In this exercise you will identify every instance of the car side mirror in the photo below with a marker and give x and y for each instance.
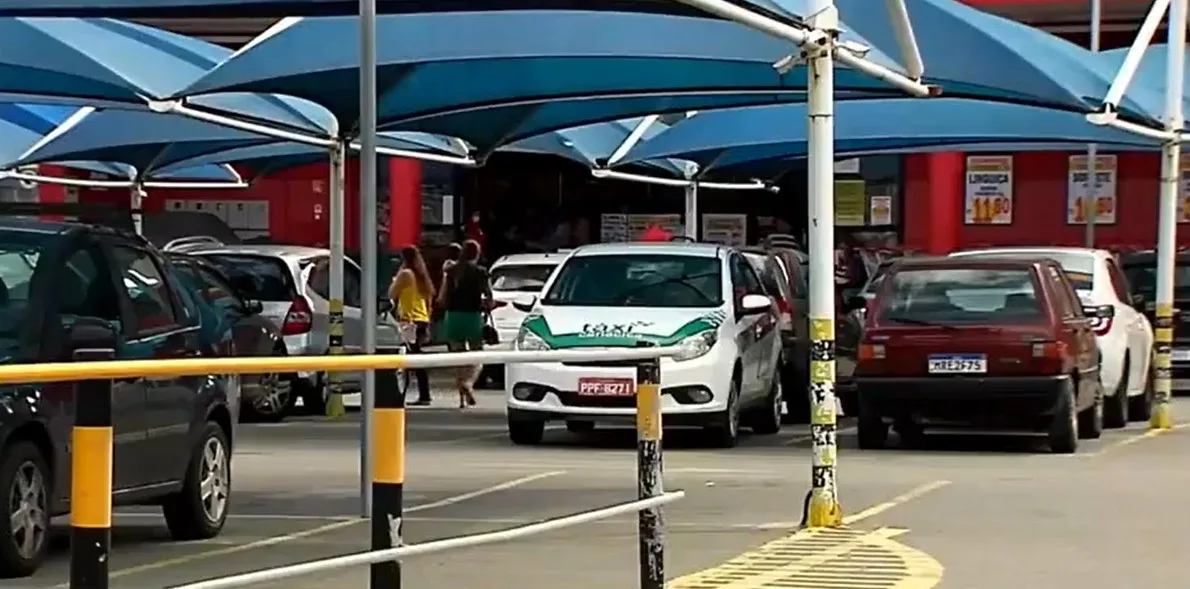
(753, 304)
(89, 333)
(253, 307)
(854, 303)
(1099, 312)
(524, 303)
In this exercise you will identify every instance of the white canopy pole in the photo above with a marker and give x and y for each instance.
(1091, 201)
(337, 214)
(369, 235)
(1167, 218)
(822, 506)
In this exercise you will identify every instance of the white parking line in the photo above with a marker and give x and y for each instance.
(336, 525)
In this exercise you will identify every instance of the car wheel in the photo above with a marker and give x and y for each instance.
(1140, 407)
(1090, 420)
(725, 433)
(199, 510)
(796, 390)
(766, 420)
(1115, 408)
(276, 400)
(871, 429)
(25, 486)
(1063, 432)
(526, 432)
(580, 427)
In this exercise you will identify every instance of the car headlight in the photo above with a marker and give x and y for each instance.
(697, 345)
(527, 341)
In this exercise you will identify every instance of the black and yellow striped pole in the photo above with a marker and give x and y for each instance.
(388, 476)
(650, 535)
(91, 479)
(1162, 416)
(334, 399)
(822, 503)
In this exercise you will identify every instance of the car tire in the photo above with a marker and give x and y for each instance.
(23, 460)
(285, 398)
(580, 427)
(1140, 407)
(871, 429)
(199, 510)
(1090, 420)
(526, 432)
(795, 387)
(766, 419)
(1063, 430)
(725, 432)
(1115, 408)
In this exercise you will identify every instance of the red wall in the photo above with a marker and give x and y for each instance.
(934, 193)
(298, 201)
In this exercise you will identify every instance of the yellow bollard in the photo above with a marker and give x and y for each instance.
(334, 381)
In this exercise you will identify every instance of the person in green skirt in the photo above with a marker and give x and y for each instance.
(465, 297)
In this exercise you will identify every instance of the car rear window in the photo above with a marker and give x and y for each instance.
(1079, 267)
(960, 295)
(263, 278)
(521, 277)
(1143, 280)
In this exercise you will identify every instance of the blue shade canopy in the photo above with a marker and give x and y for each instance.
(592, 145)
(23, 125)
(753, 138)
(1149, 84)
(973, 54)
(150, 142)
(104, 62)
(435, 65)
(246, 8)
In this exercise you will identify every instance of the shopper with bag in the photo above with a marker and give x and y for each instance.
(411, 291)
(466, 296)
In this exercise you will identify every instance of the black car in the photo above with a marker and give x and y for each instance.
(264, 397)
(1140, 268)
(66, 286)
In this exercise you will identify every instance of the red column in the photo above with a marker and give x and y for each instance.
(52, 193)
(945, 173)
(404, 202)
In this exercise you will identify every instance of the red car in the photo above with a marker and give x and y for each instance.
(988, 344)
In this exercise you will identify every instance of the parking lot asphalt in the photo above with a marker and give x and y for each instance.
(959, 512)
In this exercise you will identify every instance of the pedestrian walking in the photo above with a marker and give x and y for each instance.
(465, 297)
(412, 291)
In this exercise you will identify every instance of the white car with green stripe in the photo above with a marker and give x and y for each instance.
(705, 298)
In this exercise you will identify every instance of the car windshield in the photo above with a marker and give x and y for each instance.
(1143, 280)
(261, 278)
(521, 277)
(947, 296)
(638, 280)
(1079, 267)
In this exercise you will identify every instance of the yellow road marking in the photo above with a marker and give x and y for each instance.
(1133, 439)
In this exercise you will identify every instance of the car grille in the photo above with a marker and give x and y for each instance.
(605, 363)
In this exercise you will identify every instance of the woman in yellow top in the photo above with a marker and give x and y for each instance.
(411, 291)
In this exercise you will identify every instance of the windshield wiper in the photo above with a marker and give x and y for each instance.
(683, 280)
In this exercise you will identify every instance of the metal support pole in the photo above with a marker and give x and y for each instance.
(388, 477)
(692, 211)
(337, 216)
(1091, 202)
(822, 505)
(90, 480)
(136, 202)
(650, 524)
(1167, 219)
(368, 230)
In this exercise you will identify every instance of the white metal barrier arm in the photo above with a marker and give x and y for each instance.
(367, 558)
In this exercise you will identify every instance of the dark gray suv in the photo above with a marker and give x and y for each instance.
(172, 436)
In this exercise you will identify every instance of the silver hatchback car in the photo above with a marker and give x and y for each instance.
(292, 283)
